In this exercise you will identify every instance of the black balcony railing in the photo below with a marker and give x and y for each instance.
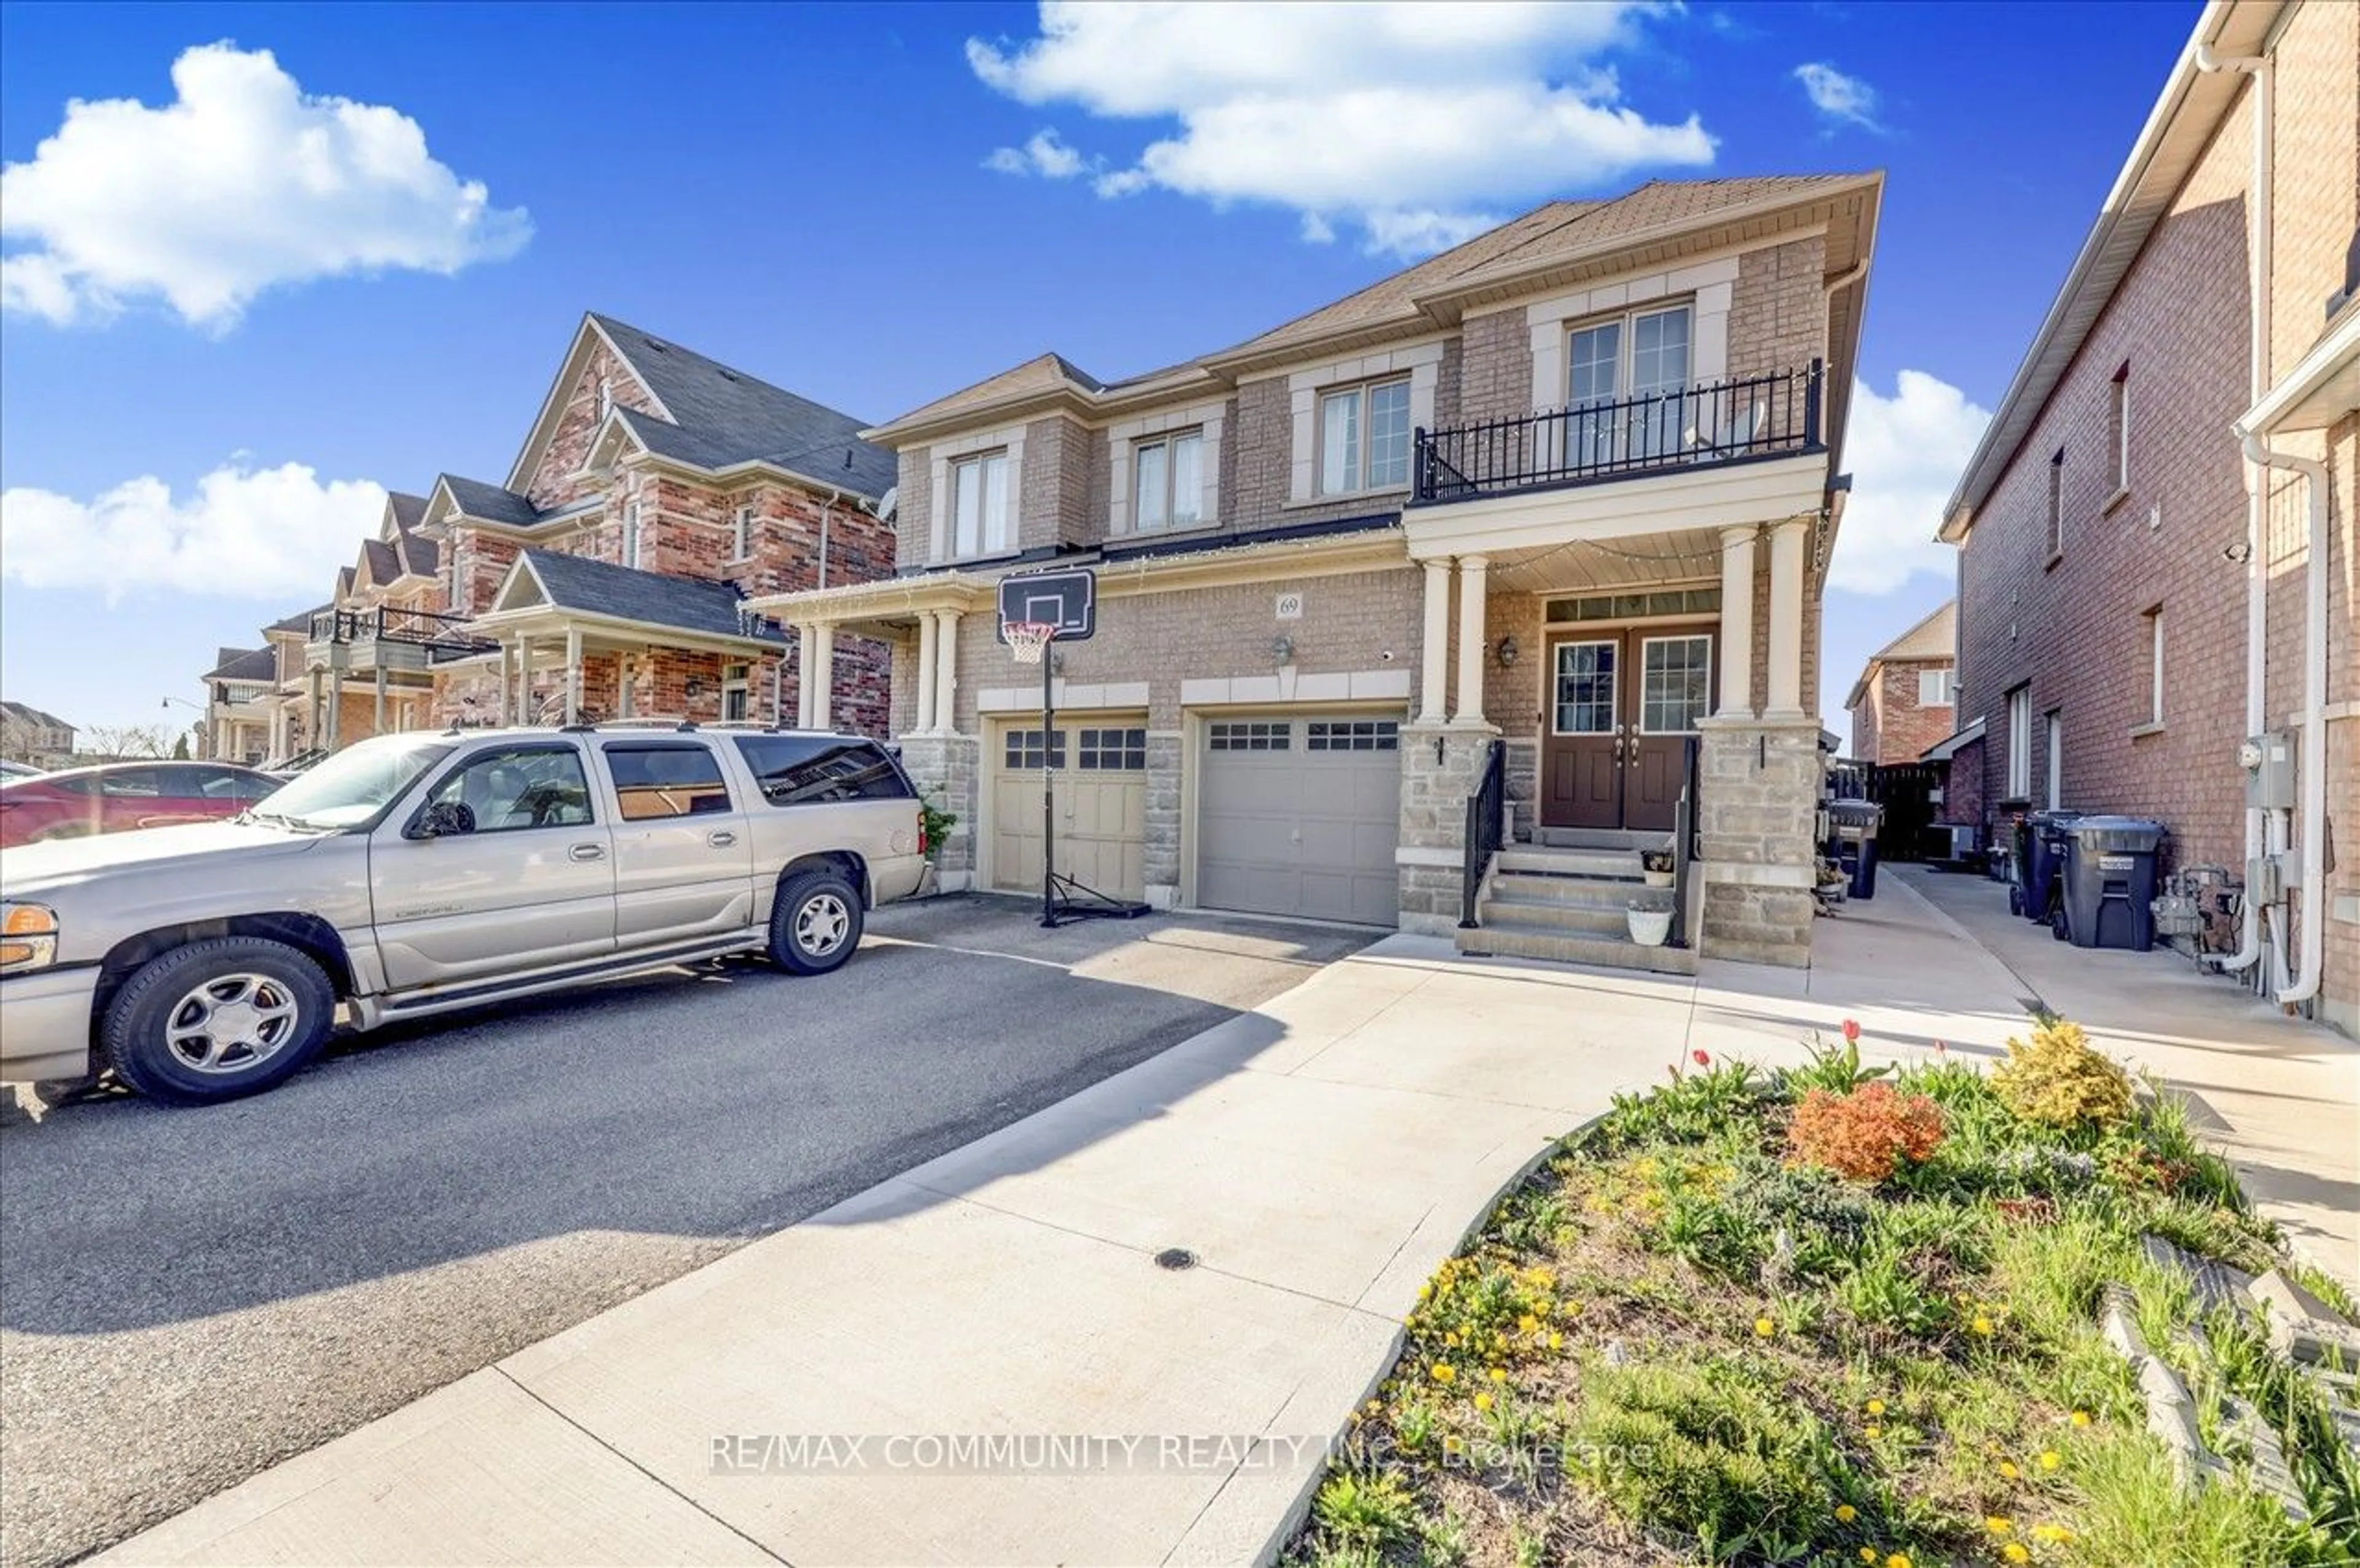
(446, 634)
(1688, 427)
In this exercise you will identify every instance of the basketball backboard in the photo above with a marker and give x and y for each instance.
(1065, 599)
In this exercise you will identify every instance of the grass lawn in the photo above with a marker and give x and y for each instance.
(1839, 1317)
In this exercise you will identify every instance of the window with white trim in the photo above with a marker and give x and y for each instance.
(2056, 728)
(2057, 503)
(1167, 483)
(2119, 423)
(1934, 687)
(741, 535)
(979, 505)
(1364, 436)
(2019, 744)
(632, 534)
(1639, 353)
(2154, 619)
(734, 687)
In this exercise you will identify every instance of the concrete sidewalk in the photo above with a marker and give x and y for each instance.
(1319, 1156)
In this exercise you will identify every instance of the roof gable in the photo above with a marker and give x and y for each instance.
(595, 587)
(1936, 636)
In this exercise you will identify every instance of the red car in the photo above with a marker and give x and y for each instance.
(120, 796)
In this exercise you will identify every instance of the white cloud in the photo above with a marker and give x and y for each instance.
(1905, 454)
(1414, 122)
(249, 533)
(1045, 155)
(244, 182)
(1845, 99)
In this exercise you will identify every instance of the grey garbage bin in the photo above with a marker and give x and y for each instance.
(2108, 878)
(2044, 858)
(1853, 827)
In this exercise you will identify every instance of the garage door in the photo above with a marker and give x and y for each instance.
(1101, 798)
(1299, 816)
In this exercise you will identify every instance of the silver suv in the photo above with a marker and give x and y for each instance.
(414, 874)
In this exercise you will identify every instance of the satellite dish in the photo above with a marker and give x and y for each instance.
(885, 503)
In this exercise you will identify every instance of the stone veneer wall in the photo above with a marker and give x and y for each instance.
(1756, 812)
(944, 770)
(1440, 767)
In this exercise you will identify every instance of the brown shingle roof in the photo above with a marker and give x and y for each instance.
(1047, 373)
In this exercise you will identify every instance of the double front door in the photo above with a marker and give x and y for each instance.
(1619, 709)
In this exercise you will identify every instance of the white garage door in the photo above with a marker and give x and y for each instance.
(1101, 803)
(1300, 816)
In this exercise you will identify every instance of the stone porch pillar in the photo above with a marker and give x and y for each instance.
(1434, 651)
(924, 721)
(1737, 622)
(1471, 572)
(1787, 540)
(946, 671)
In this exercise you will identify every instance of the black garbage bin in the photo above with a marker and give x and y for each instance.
(2044, 860)
(2108, 878)
(1853, 827)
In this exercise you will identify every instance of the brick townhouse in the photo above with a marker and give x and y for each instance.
(2156, 536)
(1558, 502)
(1901, 703)
(607, 575)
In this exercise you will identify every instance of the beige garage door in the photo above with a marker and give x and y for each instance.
(1300, 816)
(1101, 800)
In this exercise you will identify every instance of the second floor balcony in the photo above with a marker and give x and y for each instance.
(389, 637)
(1678, 429)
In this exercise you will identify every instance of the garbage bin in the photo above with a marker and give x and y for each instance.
(2043, 856)
(2108, 878)
(1853, 827)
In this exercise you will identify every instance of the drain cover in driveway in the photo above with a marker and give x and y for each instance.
(1175, 1257)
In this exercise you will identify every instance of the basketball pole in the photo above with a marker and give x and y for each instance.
(1048, 782)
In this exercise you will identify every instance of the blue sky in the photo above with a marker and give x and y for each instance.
(810, 193)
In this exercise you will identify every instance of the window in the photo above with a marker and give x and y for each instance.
(1934, 687)
(1586, 676)
(631, 534)
(1674, 683)
(605, 399)
(519, 787)
(1250, 735)
(2056, 736)
(1630, 606)
(741, 535)
(2154, 664)
(655, 782)
(1024, 749)
(733, 691)
(979, 505)
(2056, 505)
(805, 770)
(1364, 437)
(1644, 355)
(1352, 734)
(1168, 482)
(230, 784)
(1113, 750)
(2019, 744)
(139, 783)
(2119, 425)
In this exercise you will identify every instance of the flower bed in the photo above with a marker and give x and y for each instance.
(1844, 1315)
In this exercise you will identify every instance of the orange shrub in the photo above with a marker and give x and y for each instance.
(1863, 1134)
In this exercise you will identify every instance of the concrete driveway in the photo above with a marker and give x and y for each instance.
(187, 1297)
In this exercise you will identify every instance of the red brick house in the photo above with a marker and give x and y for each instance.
(2157, 533)
(1902, 702)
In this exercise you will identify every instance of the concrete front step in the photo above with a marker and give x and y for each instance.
(1519, 940)
(1570, 862)
(1599, 919)
(1601, 838)
(1550, 888)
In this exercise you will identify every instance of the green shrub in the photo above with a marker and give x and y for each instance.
(1358, 1509)
(2059, 1079)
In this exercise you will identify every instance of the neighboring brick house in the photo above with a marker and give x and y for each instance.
(674, 486)
(1901, 703)
(30, 735)
(1584, 461)
(2157, 533)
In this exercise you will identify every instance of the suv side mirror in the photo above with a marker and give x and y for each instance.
(443, 819)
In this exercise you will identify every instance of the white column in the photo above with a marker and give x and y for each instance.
(1786, 618)
(507, 678)
(946, 671)
(924, 721)
(573, 675)
(824, 679)
(526, 712)
(1737, 621)
(1434, 653)
(806, 665)
(1471, 569)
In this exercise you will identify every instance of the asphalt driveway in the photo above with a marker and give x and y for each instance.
(189, 1296)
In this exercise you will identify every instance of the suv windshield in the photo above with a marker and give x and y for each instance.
(353, 785)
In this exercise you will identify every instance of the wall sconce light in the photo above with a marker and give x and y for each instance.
(1506, 652)
(1281, 649)
(692, 687)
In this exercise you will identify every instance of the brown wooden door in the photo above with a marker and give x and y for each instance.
(1581, 733)
(1669, 689)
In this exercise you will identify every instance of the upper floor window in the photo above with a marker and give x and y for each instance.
(2019, 743)
(631, 534)
(1364, 437)
(1643, 353)
(2057, 504)
(2119, 427)
(1934, 687)
(1168, 481)
(980, 504)
(741, 536)
(2154, 664)
(605, 399)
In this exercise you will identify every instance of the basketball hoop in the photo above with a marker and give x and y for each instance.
(1027, 639)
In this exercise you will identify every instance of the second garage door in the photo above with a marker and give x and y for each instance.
(1101, 806)
(1299, 816)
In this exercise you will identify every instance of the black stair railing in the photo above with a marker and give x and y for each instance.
(1486, 822)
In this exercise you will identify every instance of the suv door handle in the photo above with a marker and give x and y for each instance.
(586, 852)
(721, 838)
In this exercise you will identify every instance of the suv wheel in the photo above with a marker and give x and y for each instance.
(217, 1019)
(815, 925)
